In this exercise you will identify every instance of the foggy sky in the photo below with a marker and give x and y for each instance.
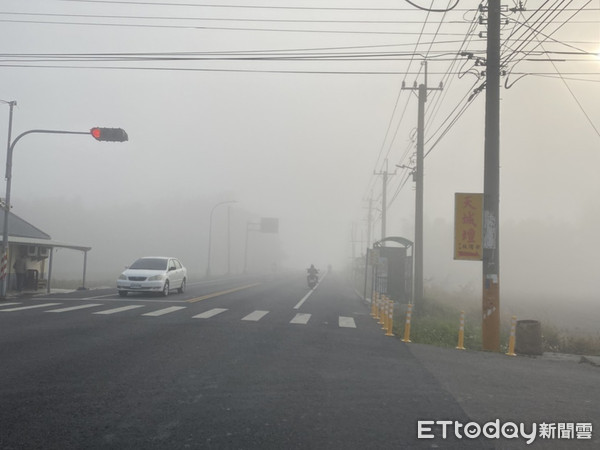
(301, 147)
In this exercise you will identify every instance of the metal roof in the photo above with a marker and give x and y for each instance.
(22, 232)
(18, 227)
(46, 243)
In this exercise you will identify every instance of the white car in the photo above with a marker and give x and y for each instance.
(153, 274)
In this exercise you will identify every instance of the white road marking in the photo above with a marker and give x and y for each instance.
(256, 316)
(209, 313)
(118, 310)
(160, 312)
(347, 322)
(9, 304)
(299, 304)
(301, 318)
(73, 308)
(21, 308)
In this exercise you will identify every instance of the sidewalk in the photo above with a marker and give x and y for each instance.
(553, 388)
(32, 293)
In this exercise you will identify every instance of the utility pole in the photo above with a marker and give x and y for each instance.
(418, 174)
(4, 262)
(490, 327)
(369, 220)
(384, 174)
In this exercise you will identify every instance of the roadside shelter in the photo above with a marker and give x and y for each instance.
(36, 248)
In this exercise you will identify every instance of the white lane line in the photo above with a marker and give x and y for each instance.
(73, 308)
(256, 316)
(299, 304)
(118, 310)
(346, 322)
(9, 304)
(21, 308)
(209, 313)
(160, 312)
(301, 318)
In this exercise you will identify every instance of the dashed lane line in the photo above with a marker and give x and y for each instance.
(255, 316)
(21, 308)
(301, 318)
(164, 311)
(118, 310)
(74, 308)
(346, 322)
(209, 313)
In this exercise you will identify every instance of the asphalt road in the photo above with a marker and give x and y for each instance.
(254, 364)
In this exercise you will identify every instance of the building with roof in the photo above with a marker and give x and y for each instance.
(29, 244)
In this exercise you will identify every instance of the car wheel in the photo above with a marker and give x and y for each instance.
(181, 290)
(165, 290)
(122, 293)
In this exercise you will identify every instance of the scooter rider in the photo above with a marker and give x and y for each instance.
(312, 270)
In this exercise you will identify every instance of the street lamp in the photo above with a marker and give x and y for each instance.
(100, 134)
(210, 232)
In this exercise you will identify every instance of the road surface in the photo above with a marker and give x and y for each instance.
(258, 364)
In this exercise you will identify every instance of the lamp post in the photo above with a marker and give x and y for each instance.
(210, 232)
(100, 134)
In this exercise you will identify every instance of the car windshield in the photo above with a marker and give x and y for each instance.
(150, 264)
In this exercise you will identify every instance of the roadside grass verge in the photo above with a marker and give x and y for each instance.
(436, 322)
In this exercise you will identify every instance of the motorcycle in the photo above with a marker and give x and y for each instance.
(312, 280)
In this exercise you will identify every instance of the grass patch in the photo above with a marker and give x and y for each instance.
(436, 322)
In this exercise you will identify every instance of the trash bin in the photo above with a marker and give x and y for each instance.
(528, 337)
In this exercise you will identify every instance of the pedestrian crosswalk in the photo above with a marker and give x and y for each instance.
(294, 318)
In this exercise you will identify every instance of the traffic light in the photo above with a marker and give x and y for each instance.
(109, 134)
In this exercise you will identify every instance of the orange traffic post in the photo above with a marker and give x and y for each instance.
(390, 328)
(511, 340)
(380, 309)
(407, 324)
(384, 308)
(373, 304)
(377, 302)
(461, 332)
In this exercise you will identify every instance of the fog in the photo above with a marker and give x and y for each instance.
(297, 140)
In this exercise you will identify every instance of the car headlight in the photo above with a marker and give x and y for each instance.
(122, 277)
(156, 277)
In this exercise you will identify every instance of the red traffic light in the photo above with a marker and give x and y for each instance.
(109, 134)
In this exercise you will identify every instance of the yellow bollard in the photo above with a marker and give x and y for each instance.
(373, 304)
(511, 340)
(407, 324)
(384, 312)
(380, 309)
(377, 301)
(390, 328)
(461, 332)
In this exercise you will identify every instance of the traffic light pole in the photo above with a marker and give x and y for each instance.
(4, 257)
(491, 186)
(9, 157)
